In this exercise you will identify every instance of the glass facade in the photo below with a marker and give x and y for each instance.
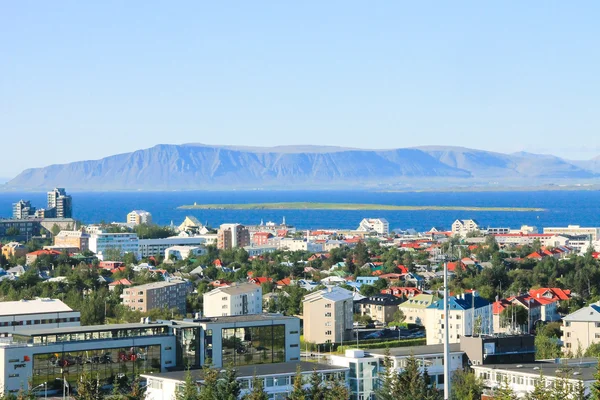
(187, 345)
(81, 336)
(108, 365)
(253, 345)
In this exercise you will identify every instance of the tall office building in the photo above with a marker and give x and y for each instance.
(59, 204)
(231, 236)
(23, 209)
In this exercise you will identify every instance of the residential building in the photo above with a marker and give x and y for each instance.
(261, 238)
(26, 228)
(183, 252)
(73, 239)
(538, 309)
(23, 210)
(31, 257)
(157, 247)
(13, 249)
(138, 217)
(170, 295)
(575, 230)
(59, 204)
(468, 312)
(99, 242)
(523, 377)
(239, 299)
(381, 307)
(230, 236)
(414, 308)
(522, 239)
(376, 225)
(36, 314)
(328, 315)
(291, 244)
(581, 329)
(277, 379)
(255, 251)
(462, 227)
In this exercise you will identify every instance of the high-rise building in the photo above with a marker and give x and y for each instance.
(59, 204)
(137, 217)
(231, 236)
(23, 209)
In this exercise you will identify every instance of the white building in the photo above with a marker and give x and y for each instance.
(462, 227)
(575, 230)
(290, 244)
(137, 217)
(123, 242)
(183, 252)
(240, 299)
(377, 225)
(466, 311)
(522, 239)
(328, 315)
(36, 314)
(157, 247)
(523, 377)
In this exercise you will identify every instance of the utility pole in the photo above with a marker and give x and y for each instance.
(446, 336)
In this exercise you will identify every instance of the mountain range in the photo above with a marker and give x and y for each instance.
(196, 166)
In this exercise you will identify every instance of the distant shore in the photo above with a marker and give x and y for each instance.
(347, 207)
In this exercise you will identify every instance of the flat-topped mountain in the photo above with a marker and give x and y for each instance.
(197, 167)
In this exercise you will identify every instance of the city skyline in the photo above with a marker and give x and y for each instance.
(93, 80)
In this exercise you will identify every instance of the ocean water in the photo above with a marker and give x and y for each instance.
(562, 207)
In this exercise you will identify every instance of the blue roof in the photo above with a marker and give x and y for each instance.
(458, 303)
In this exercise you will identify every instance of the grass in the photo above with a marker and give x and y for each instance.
(347, 206)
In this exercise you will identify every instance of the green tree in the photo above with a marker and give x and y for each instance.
(298, 392)
(257, 392)
(412, 384)
(337, 390)
(189, 391)
(388, 379)
(89, 388)
(540, 390)
(595, 387)
(514, 316)
(466, 386)
(316, 390)
(55, 230)
(228, 387)
(208, 390)
(504, 392)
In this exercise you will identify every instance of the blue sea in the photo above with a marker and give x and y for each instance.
(562, 207)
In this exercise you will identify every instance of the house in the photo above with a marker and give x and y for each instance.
(367, 280)
(402, 291)
(538, 309)
(468, 313)
(307, 285)
(260, 280)
(381, 307)
(31, 257)
(379, 226)
(16, 271)
(414, 308)
(261, 238)
(556, 294)
(13, 249)
(333, 280)
(121, 282)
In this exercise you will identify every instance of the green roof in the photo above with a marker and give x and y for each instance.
(419, 301)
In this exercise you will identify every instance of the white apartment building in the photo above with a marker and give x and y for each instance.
(124, 242)
(36, 314)
(522, 239)
(465, 311)
(157, 247)
(328, 315)
(183, 252)
(581, 329)
(378, 225)
(575, 230)
(137, 217)
(462, 227)
(240, 299)
(300, 245)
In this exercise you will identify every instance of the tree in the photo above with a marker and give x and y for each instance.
(540, 390)
(388, 380)
(298, 388)
(208, 391)
(514, 316)
(466, 386)
(337, 390)
(89, 388)
(315, 391)
(411, 384)
(228, 387)
(136, 392)
(55, 230)
(595, 387)
(257, 392)
(189, 391)
(504, 392)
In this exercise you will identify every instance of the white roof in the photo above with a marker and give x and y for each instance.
(241, 288)
(585, 314)
(37, 306)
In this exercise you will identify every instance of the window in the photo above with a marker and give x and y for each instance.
(328, 305)
(327, 314)
(328, 333)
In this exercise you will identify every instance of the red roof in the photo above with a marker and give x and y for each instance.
(265, 234)
(118, 269)
(123, 282)
(260, 280)
(217, 263)
(551, 293)
(399, 291)
(43, 252)
(390, 276)
(284, 282)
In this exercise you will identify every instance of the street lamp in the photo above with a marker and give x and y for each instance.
(45, 385)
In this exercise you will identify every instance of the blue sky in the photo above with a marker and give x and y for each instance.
(82, 80)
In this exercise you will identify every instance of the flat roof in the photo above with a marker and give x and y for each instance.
(578, 368)
(239, 318)
(37, 306)
(83, 329)
(416, 350)
(246, 371)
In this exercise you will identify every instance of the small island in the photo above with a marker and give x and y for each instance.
(347, 207)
